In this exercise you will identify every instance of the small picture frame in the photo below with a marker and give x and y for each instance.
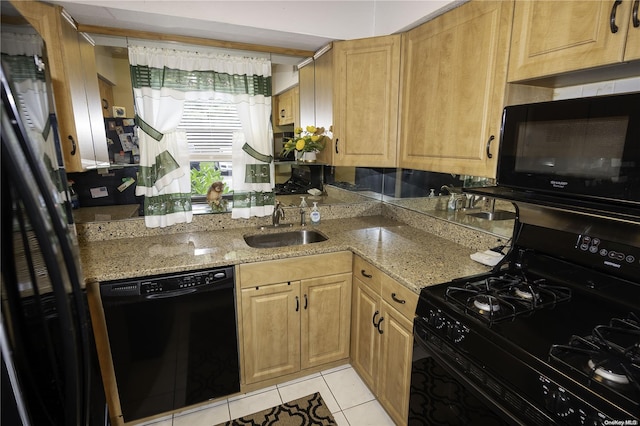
(119, 112)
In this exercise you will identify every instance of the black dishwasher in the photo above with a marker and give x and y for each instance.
(173, 339)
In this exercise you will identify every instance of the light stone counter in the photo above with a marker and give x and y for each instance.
(414, 255)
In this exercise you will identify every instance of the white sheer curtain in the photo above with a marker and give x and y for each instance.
(21, 57)
(163, 79)
(253, 168)
(163, 177)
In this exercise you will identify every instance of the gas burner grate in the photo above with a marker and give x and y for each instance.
(504, 297)
(610, 355)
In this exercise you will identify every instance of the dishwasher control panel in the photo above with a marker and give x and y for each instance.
(167, 283)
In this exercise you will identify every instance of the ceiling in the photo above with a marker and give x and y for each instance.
(306, 25)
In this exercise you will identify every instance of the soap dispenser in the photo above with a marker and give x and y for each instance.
(315, 214)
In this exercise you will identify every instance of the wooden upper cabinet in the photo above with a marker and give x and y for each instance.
(307, 94)
(454, 82)
(365, 104)
(356, 95)
(632, 46)
(72, 66)
(554, 37)
(288, 107)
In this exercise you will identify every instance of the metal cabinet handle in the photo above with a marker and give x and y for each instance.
(374, 318)
(364, 274)
(306, 302)
(282, 113)
(612, 17)
(489, 154)
(395, 299)
(635, 19)
(337, 145)
(73, 145)
(378, 326)
(297, 304)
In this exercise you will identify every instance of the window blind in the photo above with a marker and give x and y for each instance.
(209, 125)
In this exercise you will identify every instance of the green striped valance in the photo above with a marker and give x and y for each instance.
(157, 78)
(22, 67)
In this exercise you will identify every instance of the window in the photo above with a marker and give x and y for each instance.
(209, 125)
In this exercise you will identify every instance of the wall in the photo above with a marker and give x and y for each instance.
(597, 89)
(283, 77)
(113, 65)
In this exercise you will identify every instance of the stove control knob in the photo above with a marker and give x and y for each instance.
(457, 331)
(437, 319)
(563, 404)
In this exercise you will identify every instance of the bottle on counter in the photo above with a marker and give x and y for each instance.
(315, 214)
(75, 200)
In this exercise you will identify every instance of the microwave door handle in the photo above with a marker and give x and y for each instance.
(489, 154)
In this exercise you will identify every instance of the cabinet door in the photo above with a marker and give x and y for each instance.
(454, 83)
(560, 36)
(306, 95)
(632, 50)
(287, 106)
(394, 372)
(271, 330)
(323, 74)
(365, 104)
(365, 342)
(83, 137)
(284, 108)
(325, 321)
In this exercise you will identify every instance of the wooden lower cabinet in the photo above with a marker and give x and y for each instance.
(394, 369)
(271, 331)
(298, 323)
(325, 319)
(382, 337)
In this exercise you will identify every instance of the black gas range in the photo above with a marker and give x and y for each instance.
(303, 178)
(549, 336)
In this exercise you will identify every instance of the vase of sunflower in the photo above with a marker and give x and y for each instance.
(306, 143)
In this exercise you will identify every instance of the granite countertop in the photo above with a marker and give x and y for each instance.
(105, 213)
(413, 257)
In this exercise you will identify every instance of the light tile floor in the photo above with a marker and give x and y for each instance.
(346, 395)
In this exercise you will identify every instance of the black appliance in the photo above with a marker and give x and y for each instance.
(49, 373)
(582, 149)
(551, 335)
(303, 178)
(173, 340)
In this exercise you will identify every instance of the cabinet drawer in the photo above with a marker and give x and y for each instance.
(367, 273)
(293, 269)
(400, 297)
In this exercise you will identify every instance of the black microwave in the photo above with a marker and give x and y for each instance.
(585, 149)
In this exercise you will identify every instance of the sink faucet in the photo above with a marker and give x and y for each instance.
(278, 213)
(303, 215)
(451, 189)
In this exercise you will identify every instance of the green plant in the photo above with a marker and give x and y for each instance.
(202, 179)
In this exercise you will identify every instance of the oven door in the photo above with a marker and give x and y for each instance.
(441, 396)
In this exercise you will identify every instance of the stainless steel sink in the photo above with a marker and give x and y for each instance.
(495, 215)
(282, 239)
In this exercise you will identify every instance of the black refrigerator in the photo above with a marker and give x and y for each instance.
(49, 373)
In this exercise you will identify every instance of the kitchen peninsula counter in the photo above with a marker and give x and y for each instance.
(413, 257)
